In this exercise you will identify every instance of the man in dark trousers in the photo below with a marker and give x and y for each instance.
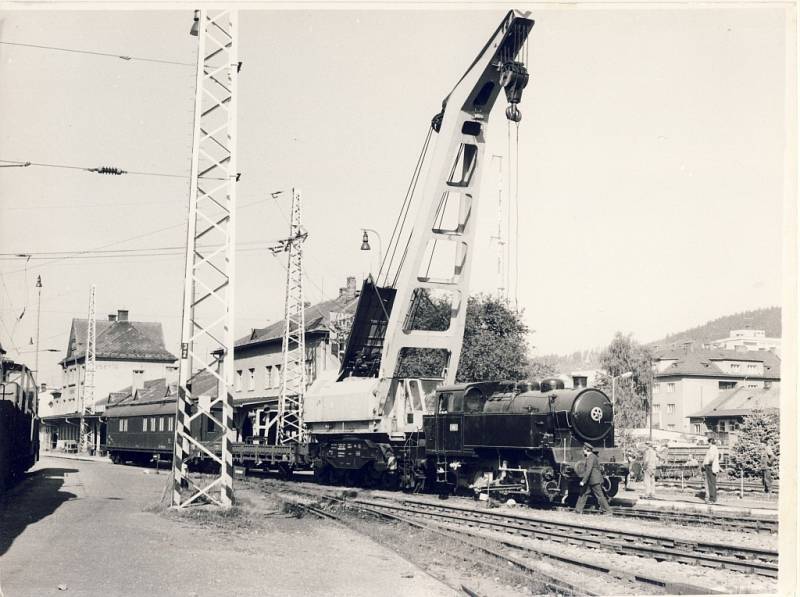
(592, 481)
(767, 460)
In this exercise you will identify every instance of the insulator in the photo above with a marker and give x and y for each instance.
(513, 113)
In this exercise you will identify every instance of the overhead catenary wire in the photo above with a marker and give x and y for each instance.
(103, 170)
(124, 57)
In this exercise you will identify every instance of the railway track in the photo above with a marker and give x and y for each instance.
(727, 522)
(720, 521)
(554, 584)
(658, 547)
(506, 551)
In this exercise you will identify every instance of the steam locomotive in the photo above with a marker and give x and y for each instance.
(524, 438)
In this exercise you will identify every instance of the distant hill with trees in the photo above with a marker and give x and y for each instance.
(767, 319)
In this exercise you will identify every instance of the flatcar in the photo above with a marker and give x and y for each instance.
(19, 422)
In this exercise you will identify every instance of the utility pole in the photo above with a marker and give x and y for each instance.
(290, 427)
(90, 365)
(208, 301)
(38, 315)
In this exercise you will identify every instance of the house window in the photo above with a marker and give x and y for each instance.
(734, 365)
(251, 385)
(670, 426)
(727, 385)
(752, 385)
(170, 424)
(144, 424)
(277, 379)
(670, 409)
(656, 388)
(656, 407)
(161, 423)
(751, 366)
(670, 387)
(697, 428)
(267, 377)
(238, 382)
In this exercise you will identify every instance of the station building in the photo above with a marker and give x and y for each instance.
(687, 381)
(258, 357)
(127, 353)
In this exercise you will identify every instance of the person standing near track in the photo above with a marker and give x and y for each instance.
(711, 468)
(649, 464)
(767, 460)
(592, 481)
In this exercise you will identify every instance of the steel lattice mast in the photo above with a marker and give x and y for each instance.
(90, 364)
(207, 325)
(290, 425)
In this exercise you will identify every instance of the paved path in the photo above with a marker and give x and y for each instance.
(83, 525)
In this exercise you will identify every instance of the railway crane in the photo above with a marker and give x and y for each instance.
(366, 416)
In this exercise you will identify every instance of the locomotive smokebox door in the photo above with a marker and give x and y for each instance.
(592, 415)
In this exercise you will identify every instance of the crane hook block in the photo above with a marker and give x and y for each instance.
(514, 77)
(513, 113)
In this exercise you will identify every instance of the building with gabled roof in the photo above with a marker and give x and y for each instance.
(687, 380)
(723, 416)
(127, 352)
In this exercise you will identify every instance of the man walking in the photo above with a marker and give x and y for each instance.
(592, 481)
(711, 468)
(767, 460)
(649, 464)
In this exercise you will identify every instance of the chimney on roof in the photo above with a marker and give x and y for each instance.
(137, 381)
(122, 315)
(171, 375)
(112, 316)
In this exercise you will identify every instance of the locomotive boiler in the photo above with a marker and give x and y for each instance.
(520, 438)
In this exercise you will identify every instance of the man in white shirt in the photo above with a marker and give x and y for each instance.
(711, 468)
(649, 465)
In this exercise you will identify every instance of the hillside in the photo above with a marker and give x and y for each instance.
(768, 319)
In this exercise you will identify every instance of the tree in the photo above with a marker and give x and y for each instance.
(495, 342)
(542, 367)
(626, 356)
(761, 427)
(494, 346)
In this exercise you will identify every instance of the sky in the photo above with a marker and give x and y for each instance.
(651, 161)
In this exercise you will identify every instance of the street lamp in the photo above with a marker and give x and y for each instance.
(614, 384)
(365, 246)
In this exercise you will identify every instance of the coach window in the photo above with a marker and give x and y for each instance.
(144, 424)
(152, 423)
(161, 423)
(170, 425)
